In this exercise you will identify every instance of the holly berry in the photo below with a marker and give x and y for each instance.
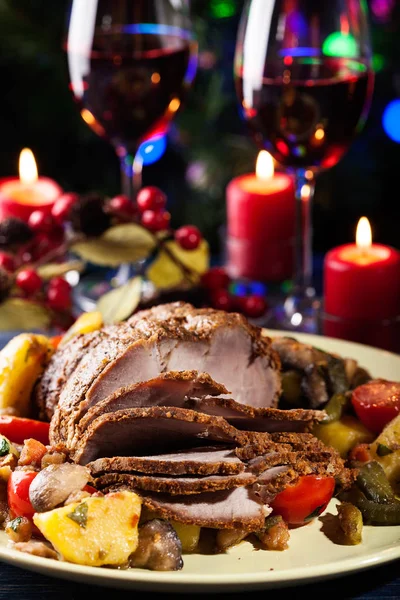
(151, 198)
(58, 299)
(215, 278)
(45, 243)
(221, 300)
(121, 205)
(7, 262)
(188, 237)
(254, 306)
(61, 284)
(29, 281)
(156, 221)
(41, 222)
(61, 208)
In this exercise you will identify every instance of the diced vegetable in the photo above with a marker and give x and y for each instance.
(304, 500)
(19, 429)
(343, 434)
(22, 361)
(230, 537)
(32, 453)
(372, 512)
(386, 450)
(351, 522)
(376, 403)
(98, 531)
(335, 408)
(19, 529)
(188, 534)
(371, 479)
(275, 535)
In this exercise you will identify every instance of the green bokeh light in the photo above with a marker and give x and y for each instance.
(222, 9)
(339, 45)
(378, 62)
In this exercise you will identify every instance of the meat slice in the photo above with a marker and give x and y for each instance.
(167, 389)
(142, 430)
(196, 461)
(176, 485)
(228, 509)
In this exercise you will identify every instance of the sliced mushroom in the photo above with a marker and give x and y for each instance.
(55, 483)
(159, 548)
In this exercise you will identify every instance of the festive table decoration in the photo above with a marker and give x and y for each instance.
(362, 291)
(20, 196)
(260, 223)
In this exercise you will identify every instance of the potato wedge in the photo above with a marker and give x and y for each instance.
(22, 361)
(343, 434)
(386, 450)
(98, 531)
(85, 323)
(188, 534)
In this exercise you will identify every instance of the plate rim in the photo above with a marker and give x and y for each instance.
(179, 581)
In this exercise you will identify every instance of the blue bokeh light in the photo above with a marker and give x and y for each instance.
(391, 120)
(152, 150)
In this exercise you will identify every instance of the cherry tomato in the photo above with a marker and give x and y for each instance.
(17, 429)
(18, 493)
(376, 403)
(306, 499)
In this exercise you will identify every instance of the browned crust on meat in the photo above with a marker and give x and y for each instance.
(177, 486)
(158, 465)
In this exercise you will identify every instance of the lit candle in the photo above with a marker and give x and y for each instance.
(362, 291)
(260, 223)
(20, 196)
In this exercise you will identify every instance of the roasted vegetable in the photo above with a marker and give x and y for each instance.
(386, 450)
(275, 535)
(335, 408)
(371, 480)
(98, 531)
(85, 323)
(226, 538)
(351, 523)
(55, 483)
(343, 434)
(22, 361)
(372, 512)
(188, 534)
(159, 547)
(291, 387)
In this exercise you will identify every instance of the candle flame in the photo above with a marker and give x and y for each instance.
(265, 165)
(363, 234)
(28, 172)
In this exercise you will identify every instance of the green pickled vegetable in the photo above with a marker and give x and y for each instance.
(373, 482)
(351, 522)
(337, 377)
(372, 512)
(335, 408)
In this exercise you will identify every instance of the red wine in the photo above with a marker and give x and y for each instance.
(131, 85)
(308, 121)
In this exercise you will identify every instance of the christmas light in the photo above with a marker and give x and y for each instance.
(391, 120)
(341, 45)
(221, 9)
(152, 150)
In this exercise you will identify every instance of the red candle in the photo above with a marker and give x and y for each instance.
(19, 197)
(362, 291)
(261, 224)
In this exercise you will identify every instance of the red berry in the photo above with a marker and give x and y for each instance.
(121, 205)
(29, 281)
(62, 207)
(188, 237)
(44, 243)
(215, 278)
(221, 300)
(151, 198)
(254, 306)
(156, 221)
(60, 283)
(41, 222)
(57, 298)
(7, 262)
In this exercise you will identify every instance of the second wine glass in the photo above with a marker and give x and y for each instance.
(130, 65)
(304, 80)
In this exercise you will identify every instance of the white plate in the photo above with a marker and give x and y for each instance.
(310, 557)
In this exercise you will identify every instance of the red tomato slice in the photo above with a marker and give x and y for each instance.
(376, 403)
(18, 493)
(305, 500)
(17, 429)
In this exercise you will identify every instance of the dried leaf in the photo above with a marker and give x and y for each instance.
(165, 272)
(51, 270)
(126, 243)
(119, 304)
(23, 315)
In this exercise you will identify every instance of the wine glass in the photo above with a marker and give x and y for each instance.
(130, 64)
(304, 79)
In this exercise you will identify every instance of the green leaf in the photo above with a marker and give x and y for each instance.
(51, 270)
(315, 513)
(119, 304)
(168, 269)
(23, 315)
(79, 515)
(4, 446)
(383, 450)
(126, 243)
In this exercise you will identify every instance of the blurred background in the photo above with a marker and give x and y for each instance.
(207, 144)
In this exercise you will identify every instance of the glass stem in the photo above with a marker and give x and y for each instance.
(303, 280)
(131, 174)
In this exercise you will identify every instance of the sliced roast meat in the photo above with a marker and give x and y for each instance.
(195, 461)
(228, 509)
(167, 389)
(176, 485)
(138, 431)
